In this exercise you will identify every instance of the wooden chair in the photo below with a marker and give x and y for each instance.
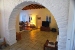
(18, 36)
(2, 42)
(51, 47)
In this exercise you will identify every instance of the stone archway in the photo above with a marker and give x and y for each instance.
(59, 15)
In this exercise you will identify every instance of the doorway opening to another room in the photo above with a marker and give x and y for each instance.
(35, 25)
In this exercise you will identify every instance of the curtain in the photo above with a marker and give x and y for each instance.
(46, 18)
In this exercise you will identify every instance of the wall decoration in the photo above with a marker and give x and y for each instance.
(29, 18)
(39, 18)
(49, 19)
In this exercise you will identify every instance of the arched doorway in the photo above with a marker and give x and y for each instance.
(62, 28)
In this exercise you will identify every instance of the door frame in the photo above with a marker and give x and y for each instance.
(70, 29)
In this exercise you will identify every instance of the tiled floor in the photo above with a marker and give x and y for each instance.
(33, 40)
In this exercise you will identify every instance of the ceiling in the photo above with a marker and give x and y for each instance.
(33, 6)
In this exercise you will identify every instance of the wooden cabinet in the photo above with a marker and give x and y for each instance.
(18, 36)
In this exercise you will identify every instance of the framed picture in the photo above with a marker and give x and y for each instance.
(39, 18)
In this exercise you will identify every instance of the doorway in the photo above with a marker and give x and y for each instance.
(62, 27)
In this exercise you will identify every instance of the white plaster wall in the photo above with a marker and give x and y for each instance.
(4, 31)
(74, 32)
(0, 18)
(72, 3)
(71, 23)
(0, 26)
(59, 8)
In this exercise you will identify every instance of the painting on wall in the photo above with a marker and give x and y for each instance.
(39, 18)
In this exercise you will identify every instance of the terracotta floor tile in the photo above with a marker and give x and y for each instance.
(33, 40)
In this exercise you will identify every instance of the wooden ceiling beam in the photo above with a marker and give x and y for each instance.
(33, 6)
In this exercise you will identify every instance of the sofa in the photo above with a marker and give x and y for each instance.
(42, 28)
